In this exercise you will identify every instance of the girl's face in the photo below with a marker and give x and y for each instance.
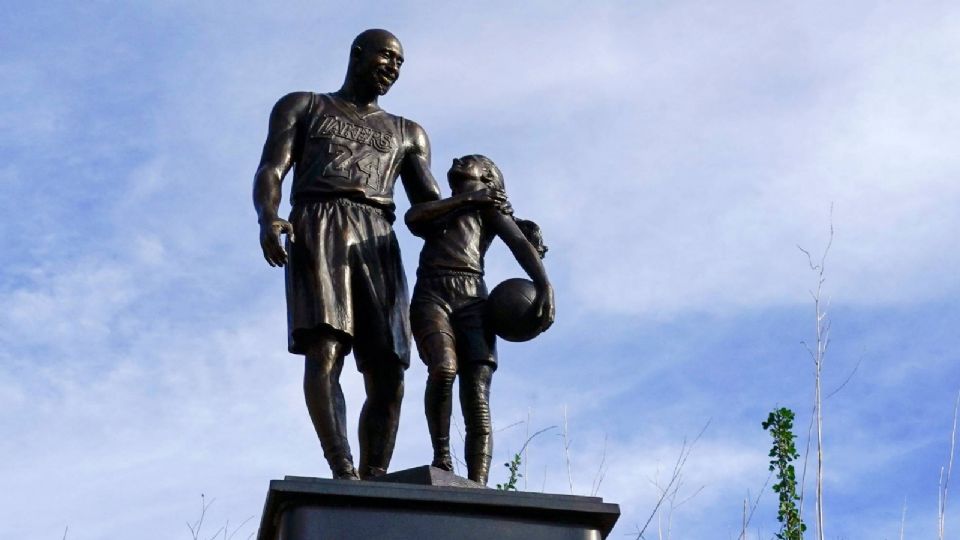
(466, 175)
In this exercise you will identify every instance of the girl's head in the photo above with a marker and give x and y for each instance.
(474, 172)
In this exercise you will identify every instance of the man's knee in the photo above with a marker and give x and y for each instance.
(384, 385)
(324, 357)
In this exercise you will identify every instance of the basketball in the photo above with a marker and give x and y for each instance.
(510, 311)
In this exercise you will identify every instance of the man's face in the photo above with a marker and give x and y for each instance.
(378, 65)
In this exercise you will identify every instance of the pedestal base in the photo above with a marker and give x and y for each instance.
(300, 508)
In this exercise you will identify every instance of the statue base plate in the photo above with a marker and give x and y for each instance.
(426, 503)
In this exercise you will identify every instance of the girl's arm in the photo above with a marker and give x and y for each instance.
(506, 228)
(426, 215)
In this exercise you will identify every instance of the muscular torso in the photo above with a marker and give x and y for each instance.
(344, 153)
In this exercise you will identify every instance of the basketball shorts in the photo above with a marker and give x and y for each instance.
(344, 275)
(453, 304)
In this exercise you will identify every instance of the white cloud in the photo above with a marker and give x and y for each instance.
(673, 154)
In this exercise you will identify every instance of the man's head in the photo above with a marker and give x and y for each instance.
(375, 59)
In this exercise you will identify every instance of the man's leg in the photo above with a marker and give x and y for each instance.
(475, 402)
(324, 396)
(380, 416)
(438, 397)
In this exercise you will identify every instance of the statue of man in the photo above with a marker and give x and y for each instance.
(345, 284)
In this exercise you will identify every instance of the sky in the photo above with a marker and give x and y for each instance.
(675, 154)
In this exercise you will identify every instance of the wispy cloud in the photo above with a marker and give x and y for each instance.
(674, 155)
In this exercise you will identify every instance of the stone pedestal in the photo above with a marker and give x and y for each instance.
(426, 504)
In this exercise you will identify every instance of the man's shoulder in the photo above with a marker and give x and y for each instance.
(417, 136)
(294, 103)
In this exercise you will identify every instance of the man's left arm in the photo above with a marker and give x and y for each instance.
(415, 173)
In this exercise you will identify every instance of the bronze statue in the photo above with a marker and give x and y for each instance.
(345, 284)
(447, 310)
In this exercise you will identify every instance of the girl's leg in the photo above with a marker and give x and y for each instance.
(440, 350)
(475, 402)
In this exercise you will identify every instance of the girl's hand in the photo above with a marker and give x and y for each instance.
(545, 309)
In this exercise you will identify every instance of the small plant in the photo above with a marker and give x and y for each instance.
(514, 467)
(783, 452)
(514, 464)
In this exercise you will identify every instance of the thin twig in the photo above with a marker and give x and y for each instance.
(806, 459)
(566, 448)
(903, 517)
(526, 433)
(845, 381)
(534, 436)
(240, 527)
(677, 468)
(756, 503)
(598, 478)
(945, 481)
(457, 462)
(515, 424)
(743, 529)
(195, 528)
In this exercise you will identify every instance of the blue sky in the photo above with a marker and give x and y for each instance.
(675, 154)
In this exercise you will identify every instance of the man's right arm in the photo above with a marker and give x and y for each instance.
(424, 216)
(275, 162)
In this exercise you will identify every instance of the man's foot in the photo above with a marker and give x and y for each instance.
(371, 472)
(348, 475)
(345, 471)
(443, 462)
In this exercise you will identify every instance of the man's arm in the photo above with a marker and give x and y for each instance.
(423, 217)
(506, 228)
(275, 162)
(415, 172)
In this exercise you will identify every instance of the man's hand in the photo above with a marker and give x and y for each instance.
(270, 230)
(543, 304)
(490, 196)
(486, 196)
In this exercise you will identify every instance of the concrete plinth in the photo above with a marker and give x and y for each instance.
(436, 507)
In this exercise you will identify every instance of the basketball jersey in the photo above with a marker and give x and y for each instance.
(457, 246)
(345, 154)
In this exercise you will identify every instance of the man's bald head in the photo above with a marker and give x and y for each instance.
(373, 38)
(375, 59)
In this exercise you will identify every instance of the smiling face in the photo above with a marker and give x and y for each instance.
(375, 61)
(473, 173)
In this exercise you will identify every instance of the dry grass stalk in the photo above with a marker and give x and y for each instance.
(196, 527)
(903, 517)
(670, 491)
(756, 502)
(564, 435)
(601, 471)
